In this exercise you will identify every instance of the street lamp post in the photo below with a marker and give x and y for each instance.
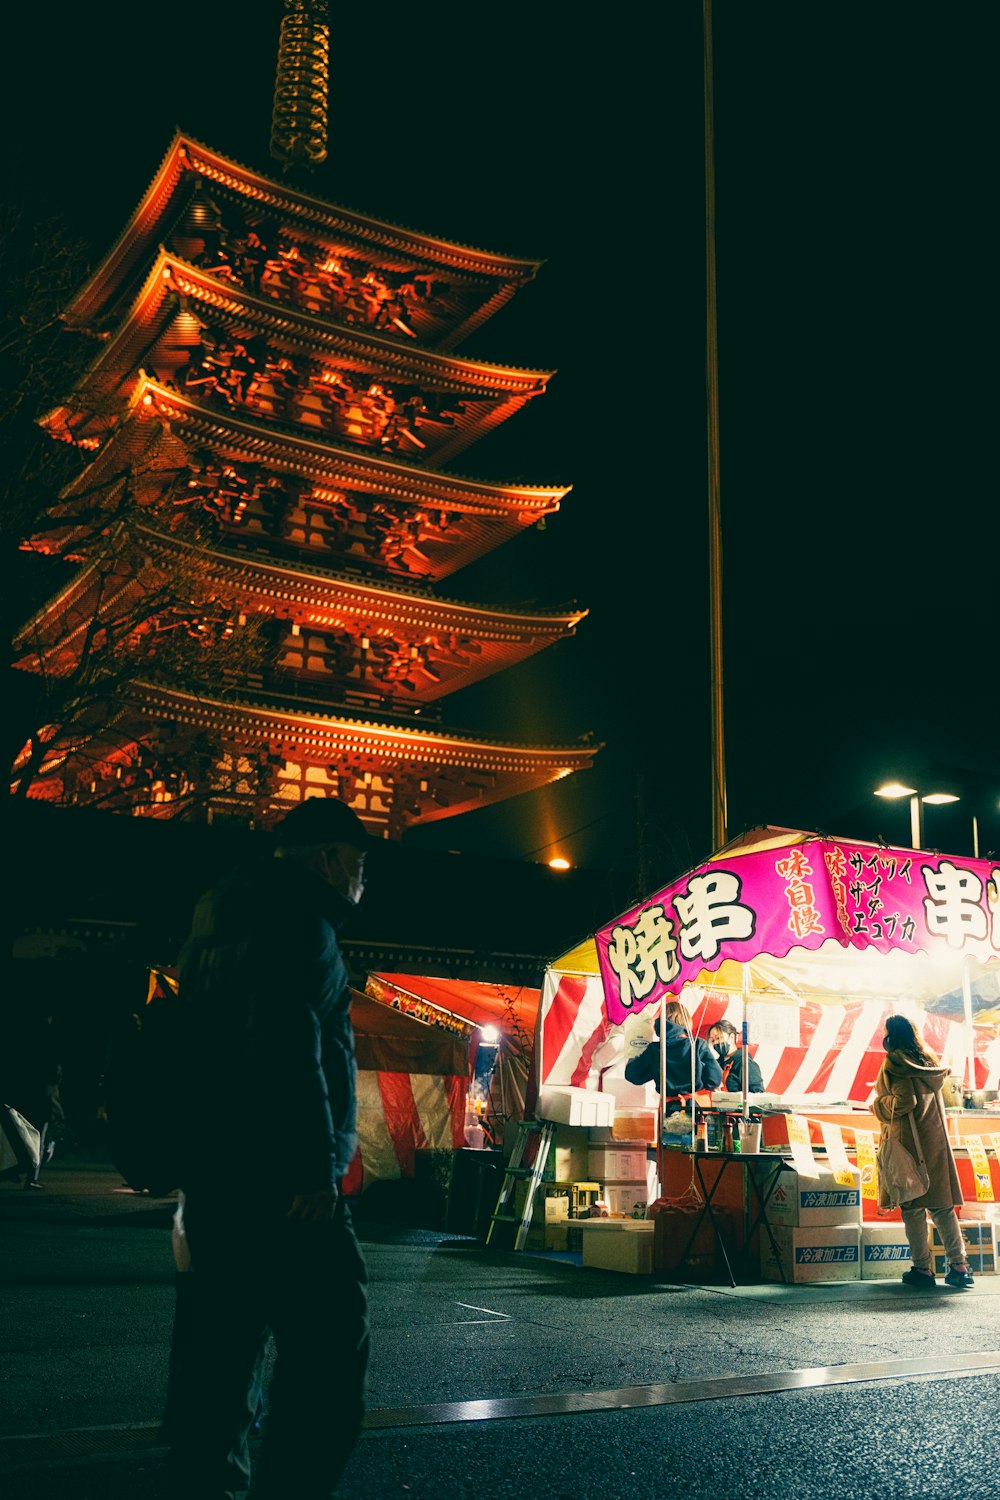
(933, 799)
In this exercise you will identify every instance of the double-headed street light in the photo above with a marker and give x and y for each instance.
(933, 799)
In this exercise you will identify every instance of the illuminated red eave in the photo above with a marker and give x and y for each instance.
(335, 733)
(313, 590)
(143, 231)
(320, 599)
(322, 339)
(309, 738)
(496, 511)
(314, 334)
(326, 463)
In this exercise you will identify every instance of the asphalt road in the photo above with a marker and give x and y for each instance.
(497, 1375)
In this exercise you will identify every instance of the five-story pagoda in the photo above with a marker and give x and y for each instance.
(267, 509)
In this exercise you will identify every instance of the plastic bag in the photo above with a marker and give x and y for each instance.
(19, 1143)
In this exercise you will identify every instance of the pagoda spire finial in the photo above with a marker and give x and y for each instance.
(301, 87)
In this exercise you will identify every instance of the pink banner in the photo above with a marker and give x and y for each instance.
(797, 896)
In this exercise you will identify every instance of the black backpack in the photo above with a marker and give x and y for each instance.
(150, 1124)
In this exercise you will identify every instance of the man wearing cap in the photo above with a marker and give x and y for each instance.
(264, 1242)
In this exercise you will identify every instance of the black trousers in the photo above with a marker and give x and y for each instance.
(305, 1285)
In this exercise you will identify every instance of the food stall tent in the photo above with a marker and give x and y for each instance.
(412, 1081)
(497, 1024)
(493, 1025)
(813, 941)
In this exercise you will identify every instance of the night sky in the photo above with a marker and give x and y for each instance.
(855, 161)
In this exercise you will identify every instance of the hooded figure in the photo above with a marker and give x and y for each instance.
(677, 1035)
(908, 1088)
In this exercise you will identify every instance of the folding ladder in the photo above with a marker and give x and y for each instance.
(522, 1167)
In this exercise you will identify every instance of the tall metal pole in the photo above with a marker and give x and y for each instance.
(916, 833)
(712, 401)
(640, 828)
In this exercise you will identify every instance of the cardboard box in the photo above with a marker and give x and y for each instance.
(981, 1247)
(619, 1245)
(580, 1228)
(804, 1202)
(547, 1236)
(626, 1198)
(567, 1160)
(885, 1252)
(550, 1205)
(619, 1164)
(816, 1253)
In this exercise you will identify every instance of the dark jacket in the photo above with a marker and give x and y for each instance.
(646, 1067)
(271, 1049)
(732, 1080)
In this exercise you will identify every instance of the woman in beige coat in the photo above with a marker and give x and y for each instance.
(908, 1088)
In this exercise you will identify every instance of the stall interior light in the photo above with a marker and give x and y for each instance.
(938, 799)
(895, 789)
(489, 1034)
(558, 863)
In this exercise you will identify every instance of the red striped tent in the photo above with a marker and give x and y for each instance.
(466, 1007)
(412, 1083)
(815, 1016)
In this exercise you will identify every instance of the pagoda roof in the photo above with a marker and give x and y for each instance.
(315, 736)
(448, 772)
(488, 393)
(495, 277)
(318, 599)
(493, 511)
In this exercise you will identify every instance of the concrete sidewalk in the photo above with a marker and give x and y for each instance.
(497, 1374)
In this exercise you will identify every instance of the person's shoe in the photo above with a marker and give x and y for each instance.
(960, 1279)
(29, 1185)
(913, 1277)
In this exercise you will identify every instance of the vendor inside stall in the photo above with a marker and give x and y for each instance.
(724, 1037)
(675, 1055)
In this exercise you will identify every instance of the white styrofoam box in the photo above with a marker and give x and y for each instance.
(626, 1197)
(570, 1106)
(981, 1211)
(801, 1202)
(627, 1247)
(620, 1164)
(981, 1248)
(821, 1252)
(628, 1095)
(885, 1252)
